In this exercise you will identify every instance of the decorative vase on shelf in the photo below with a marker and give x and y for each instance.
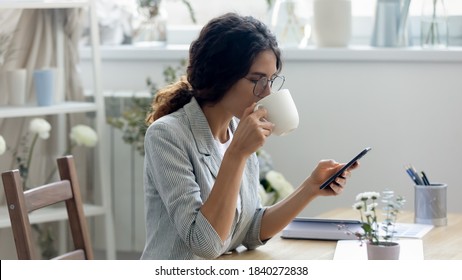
(17, 85)
(285, 23)
(45, 86)
(391, 24)
(385, 250)
(153, 27)
(332, 23)
(433, 25)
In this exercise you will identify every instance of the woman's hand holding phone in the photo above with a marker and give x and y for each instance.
(339, 173)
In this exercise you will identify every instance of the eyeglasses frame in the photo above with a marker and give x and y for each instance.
(269, 81)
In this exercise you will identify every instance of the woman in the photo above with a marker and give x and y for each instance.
(201, 170)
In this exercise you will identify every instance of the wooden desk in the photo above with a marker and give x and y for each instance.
(441, 243)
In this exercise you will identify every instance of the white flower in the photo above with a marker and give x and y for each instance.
(373, 231)
(265, 163)
(41, 127)
(83, 135)
(279, 184)
(367, 195)
(265, 197)
(368, 213)
(372, 206)
(358, 205)
(2, 145)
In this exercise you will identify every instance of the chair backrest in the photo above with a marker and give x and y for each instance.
(20, 203)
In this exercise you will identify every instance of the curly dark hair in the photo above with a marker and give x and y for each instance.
(221, 55)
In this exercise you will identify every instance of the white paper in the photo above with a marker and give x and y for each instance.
(412, 230)
(411, 249)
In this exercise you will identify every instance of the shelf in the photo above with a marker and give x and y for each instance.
(96, 107)
(311, 53)
(49, 214)
(131, 52)
(369, 54)
(63, 108)
(43, 4)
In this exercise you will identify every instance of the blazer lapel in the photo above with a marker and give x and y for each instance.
(203, 137)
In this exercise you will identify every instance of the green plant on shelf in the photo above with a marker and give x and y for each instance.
(131, 121)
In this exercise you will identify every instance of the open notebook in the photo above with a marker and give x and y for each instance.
(328, 229)
(325, 229)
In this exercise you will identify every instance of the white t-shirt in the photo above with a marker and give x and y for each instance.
(222, 147)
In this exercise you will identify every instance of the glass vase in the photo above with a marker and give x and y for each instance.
(286, 24)
(433, 25)
(152, 30)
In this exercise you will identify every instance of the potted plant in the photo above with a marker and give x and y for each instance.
(132, 120)
(379, 237)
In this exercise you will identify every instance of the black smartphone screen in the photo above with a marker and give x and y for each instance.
(349, 164)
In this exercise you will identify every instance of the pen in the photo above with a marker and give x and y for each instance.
(417, 177)
(425, 178)
(409, 172)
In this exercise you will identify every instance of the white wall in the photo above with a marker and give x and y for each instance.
(408, 112)
(405, 104)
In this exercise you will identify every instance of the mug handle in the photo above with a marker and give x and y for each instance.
(258, 106)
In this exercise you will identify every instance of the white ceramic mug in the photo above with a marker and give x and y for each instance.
(282, 111)
(16, 80)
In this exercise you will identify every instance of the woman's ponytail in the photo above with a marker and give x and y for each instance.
(170, 99)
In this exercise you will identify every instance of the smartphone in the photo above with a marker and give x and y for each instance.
(348, 165)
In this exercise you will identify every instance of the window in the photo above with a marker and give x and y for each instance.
(178, 15)
(206, 9)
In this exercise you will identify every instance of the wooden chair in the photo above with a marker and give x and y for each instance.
(21, 203)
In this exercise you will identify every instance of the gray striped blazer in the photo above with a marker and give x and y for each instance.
(180, 168)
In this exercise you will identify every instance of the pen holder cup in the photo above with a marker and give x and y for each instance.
(430, 204)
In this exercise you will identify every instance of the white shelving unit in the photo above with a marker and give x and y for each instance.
(69, 107)
(63, 108)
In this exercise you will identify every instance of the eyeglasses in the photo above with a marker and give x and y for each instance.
(260, 84)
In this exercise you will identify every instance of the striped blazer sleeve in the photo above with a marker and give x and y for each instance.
(172, 172)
